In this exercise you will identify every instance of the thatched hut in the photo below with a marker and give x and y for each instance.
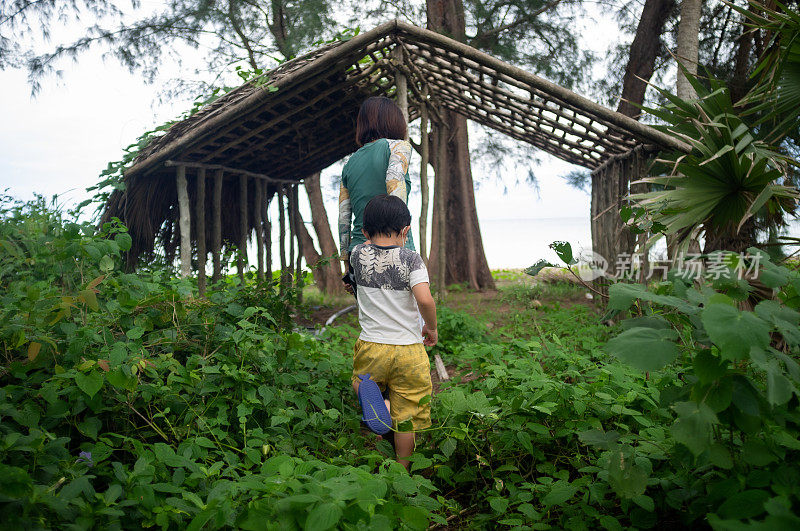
(209, 178)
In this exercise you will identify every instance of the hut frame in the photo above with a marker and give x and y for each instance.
(300, 117)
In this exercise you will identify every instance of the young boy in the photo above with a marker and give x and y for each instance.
(393, 290)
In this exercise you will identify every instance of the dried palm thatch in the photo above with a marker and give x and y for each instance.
(300, 117)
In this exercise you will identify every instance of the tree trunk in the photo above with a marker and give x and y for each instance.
(466, 260)
(611, 187)
(644, 51)
(687, 45)
(687, 52)
(325, 282)
(423, 183)
(741, 69)
(730, 239)
(328, 276)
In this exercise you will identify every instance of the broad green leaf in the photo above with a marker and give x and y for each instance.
(123, 240)
(648, 321)
(120, 380)
(559, 493)
(106, 263)
(745, 504)
(415, 517)
(448, 447)
(610, 523)
(645, 502)
(786, 320)
(602, 439)
(564, 252)
(708, 367)
(499, 505)
(135, 333)
(734, 331)
(537, 267)
(90, 382)
(33, 350)
(720, 456)
(693, 427)
(779, 387)
(622, 296)
(647, 349)
(16, 483)
(717, 395)
(90, 298)
(323, 516)
(163, 451)
(757, 453)
(626, 478)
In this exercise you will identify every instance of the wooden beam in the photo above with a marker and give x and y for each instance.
(284, 84)
(184, 222)
(216, 239)
(226, 169)
(242, 260)
(257, 211)
(567, 96)
(423, 183)
(200, 209)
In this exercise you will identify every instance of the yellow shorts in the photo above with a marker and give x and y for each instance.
(406, 371)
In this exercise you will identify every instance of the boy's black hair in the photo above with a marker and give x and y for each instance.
(386, 214)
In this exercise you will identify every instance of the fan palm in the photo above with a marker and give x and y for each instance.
(775, 98)
(733, 172)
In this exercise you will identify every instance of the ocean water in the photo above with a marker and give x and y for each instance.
(519, 243)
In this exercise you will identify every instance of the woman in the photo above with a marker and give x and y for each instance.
(380, 166)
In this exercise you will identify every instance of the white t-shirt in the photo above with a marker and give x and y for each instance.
(387, 310)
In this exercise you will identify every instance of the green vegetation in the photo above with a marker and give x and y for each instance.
(126, 402)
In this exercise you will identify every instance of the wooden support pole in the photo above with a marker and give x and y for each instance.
(242, 260)
(282, 237)
(292, 232)
(401, 83)
(184, 223)
(257, 211)
(299, 267)
(267, 236)
(216, 239)
(200, 209)
(441, 193)
(423, 183)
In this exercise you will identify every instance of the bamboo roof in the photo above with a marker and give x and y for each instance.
(300, 117)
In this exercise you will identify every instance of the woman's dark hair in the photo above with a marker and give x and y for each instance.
(386, 214)
(379, 117)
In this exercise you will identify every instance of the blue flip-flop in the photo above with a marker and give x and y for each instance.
(375, 414)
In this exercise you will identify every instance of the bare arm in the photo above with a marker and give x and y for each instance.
(427, 308)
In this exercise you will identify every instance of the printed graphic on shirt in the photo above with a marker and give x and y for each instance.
(344, 220)
(389, 269)
(400, 153)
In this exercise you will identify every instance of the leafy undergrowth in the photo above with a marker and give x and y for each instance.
(126, 403)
